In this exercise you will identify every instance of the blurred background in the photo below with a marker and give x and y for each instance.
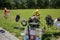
(27, 4)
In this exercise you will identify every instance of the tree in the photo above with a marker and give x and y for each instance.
(31, 3)
(55, 3)
(4, 3)
(39, 3)
(46, 4)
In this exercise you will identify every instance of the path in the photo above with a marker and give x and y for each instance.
(7, 36)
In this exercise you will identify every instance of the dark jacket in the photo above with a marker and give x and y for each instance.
(17, 18)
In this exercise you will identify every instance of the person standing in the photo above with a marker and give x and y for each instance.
(33, 31)
(17, 20)
(37, 14)
(8, 12)
(5, 12)
(49, 20)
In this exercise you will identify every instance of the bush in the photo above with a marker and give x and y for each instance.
(46, 36)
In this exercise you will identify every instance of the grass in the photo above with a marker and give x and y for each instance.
(10, 23)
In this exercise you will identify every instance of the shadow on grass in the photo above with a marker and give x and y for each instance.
(48, 36)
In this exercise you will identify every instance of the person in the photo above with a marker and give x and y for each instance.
(17, 18)
(56, 23)
(33, 31)
(6, 13)
(34, 20)
(36, 13)
(49, 20)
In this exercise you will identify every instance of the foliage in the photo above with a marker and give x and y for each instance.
(24, 4)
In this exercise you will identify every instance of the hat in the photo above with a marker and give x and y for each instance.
(58, 19)
(36, 10)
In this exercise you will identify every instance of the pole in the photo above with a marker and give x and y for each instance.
(28, 33)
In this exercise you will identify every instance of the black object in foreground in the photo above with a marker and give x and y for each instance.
(2, 31)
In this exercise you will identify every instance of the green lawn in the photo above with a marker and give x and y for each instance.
(10, 23)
